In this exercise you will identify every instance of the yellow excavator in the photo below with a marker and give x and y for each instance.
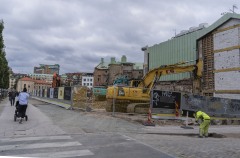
(125, 98)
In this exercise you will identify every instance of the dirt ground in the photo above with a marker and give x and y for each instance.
(98, 108)
(135, 118)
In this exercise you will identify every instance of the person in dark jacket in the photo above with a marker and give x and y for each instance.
(12, 95)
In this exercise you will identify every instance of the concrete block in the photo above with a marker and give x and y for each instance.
(225, 39)
(227, 59)
(227, 80)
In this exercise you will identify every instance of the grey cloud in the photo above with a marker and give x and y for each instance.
(76, 34)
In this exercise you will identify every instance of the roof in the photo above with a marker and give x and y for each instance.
(220, 21)
(26, 79)
(104, 65)
(35, 81)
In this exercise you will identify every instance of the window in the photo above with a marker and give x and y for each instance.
(84, 79)
(90, 84)
(90, 79)
(87, 84)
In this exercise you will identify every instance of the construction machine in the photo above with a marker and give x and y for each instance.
(56, 80)
(100, 91)
(137, 94)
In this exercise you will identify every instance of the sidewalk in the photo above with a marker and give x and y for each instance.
(37, 125)
(61, 104)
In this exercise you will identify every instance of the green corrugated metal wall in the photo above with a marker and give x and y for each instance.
(176, 50)
(182, 48)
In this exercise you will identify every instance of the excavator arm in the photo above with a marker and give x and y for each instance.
(154, 75)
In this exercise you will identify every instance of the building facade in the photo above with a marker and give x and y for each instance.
(32, 85)
(106, 73)
(77, 78)
(25, 82)
(73, 79)
(217, 46)
(13, 79)
(100, 74)
(47, 69)
(47, 77)
(220, 50)
(87, 80)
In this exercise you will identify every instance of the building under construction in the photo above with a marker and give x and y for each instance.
(217, 46)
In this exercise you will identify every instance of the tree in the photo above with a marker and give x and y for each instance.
(4, 73)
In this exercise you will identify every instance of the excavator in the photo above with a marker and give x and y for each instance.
(56, 80)
(138, 93)
(100, 91)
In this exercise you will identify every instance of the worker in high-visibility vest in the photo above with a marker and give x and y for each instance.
(205, 122)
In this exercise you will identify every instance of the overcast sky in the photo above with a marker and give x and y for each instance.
(76, 34)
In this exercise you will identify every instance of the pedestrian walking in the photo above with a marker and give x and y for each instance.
(23, 103)
(204, 125)
(12, 95)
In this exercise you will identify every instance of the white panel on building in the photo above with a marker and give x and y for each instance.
(227, 59)
(227, 80)
(225, 39)
(228, 96)
(232, 22)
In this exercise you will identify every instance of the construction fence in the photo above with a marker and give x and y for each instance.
(78, 97)
(181, 103)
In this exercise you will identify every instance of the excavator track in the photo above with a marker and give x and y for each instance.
(127, 106)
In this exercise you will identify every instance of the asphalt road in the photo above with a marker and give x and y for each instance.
(56, 132)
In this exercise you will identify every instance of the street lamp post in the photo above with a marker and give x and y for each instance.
(114, 98)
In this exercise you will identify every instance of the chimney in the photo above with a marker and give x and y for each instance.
(123, 59)
(113, 61)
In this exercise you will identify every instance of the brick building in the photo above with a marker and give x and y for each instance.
(106, 73)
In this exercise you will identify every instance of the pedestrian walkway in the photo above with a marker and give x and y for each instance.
(54, 101)
(48, 146)
(38, 124)
(38, 137)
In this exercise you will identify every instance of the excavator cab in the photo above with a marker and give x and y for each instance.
(134, 83)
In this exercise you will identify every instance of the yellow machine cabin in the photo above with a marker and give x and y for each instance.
(138, 93)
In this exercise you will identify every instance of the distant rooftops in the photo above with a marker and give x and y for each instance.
(35, 81)
(105, 65)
